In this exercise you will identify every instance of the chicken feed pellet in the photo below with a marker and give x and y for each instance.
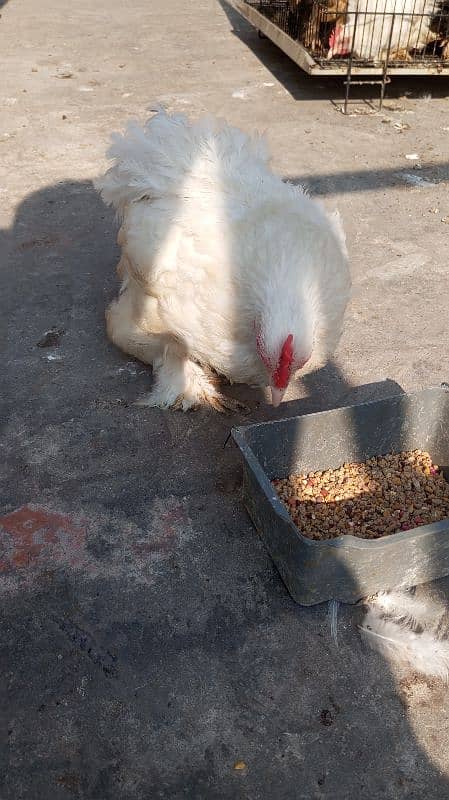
(375, 498)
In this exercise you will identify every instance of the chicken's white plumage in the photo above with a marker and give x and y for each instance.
(225, 267)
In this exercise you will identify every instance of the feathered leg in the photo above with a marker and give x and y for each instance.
(183, 384)
(134, 325)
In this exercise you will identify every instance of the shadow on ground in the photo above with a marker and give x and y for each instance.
(147, 641)
(369, 180)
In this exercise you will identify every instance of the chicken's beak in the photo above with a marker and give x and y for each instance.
(277, 396)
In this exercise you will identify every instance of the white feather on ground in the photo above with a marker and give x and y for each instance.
(333, 619)
(403, 606)
(389, 627)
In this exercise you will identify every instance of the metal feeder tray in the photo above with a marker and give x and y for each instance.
(347, 568)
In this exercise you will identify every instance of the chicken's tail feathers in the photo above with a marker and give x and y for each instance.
(147, 160)
(155, 159)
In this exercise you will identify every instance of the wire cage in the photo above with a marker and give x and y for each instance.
(373, 38)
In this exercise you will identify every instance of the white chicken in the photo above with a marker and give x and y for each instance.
(225, 268)
(377, 29)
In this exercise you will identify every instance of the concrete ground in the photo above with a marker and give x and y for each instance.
(147, 642)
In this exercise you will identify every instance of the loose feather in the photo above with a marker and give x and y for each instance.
(333, 619)
(397, 642)
(403, 606)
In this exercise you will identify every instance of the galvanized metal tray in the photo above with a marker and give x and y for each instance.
(346, 568)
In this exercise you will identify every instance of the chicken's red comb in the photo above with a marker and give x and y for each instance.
(282, 373)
